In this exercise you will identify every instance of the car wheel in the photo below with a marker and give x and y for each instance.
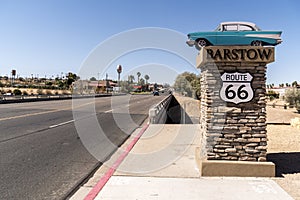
(256, 43)
(201, 43)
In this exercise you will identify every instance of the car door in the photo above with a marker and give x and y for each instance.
(246, 34)
(228, 35)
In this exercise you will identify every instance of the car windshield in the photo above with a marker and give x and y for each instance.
(218, 28)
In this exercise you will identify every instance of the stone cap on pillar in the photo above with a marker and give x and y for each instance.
(235, 54)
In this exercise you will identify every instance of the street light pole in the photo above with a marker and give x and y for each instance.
(119, 70)
(106, 82)
(98, 83)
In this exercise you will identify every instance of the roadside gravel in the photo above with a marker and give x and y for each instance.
(284, 148)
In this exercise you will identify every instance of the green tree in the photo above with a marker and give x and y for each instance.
(146, 78)
(70, 79)
(48, 83)
(138, 75)
(292, 96)
(61, 84)
(189, 84)
(142, 81)
(196, 87)
(93, 79)
(294, 84)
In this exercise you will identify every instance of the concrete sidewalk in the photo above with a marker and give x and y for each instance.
(162, 166)
(144, 188)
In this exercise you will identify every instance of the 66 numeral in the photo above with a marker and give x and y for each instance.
(231, 94)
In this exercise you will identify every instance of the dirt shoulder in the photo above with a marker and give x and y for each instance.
(284, 149)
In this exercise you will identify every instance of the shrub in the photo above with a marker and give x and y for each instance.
(25, 93)
(66, 92)
(48, 83)
(292, 96)
(40, 92)
(272, 95)
(17, 92)
(48, 92)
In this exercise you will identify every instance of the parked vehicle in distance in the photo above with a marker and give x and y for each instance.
(234, 33)
(155, 93)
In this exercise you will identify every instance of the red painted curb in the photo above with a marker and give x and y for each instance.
(104, 179)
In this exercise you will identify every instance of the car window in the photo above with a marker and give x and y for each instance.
(257, 28)
(230, 27)
(245, 28)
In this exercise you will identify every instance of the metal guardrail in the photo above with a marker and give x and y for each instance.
(17, 97)
(158, 113)
(4, 99)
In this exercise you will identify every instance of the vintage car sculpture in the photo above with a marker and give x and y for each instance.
(235, 33)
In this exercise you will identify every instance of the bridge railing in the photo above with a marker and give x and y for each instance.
(158, 113)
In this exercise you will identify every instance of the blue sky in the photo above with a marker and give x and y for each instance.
(47, 37)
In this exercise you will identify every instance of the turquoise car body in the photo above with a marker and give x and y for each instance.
(235, 33)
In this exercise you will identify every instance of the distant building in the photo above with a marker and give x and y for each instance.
(279, 90)
(84, 86)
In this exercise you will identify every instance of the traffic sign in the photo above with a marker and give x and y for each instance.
(236, 87)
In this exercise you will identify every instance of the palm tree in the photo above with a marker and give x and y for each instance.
(142, 81)
(130, 78)
(138, 75)
(147, 78)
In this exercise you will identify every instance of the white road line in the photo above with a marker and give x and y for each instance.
(60, 124)
(108, 111)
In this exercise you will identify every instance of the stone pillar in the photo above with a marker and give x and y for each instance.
(233, 102)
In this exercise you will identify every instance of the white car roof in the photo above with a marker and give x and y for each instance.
(246, 23)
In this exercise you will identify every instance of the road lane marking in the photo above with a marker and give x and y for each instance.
(61, 124)
(108, 111)
(44, 112)
(119, 108)
(29, 115)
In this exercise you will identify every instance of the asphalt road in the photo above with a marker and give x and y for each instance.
(44, 146)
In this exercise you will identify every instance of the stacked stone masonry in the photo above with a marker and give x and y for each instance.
(233, 131)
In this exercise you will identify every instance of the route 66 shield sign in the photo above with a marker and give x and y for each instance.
(236, 87)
